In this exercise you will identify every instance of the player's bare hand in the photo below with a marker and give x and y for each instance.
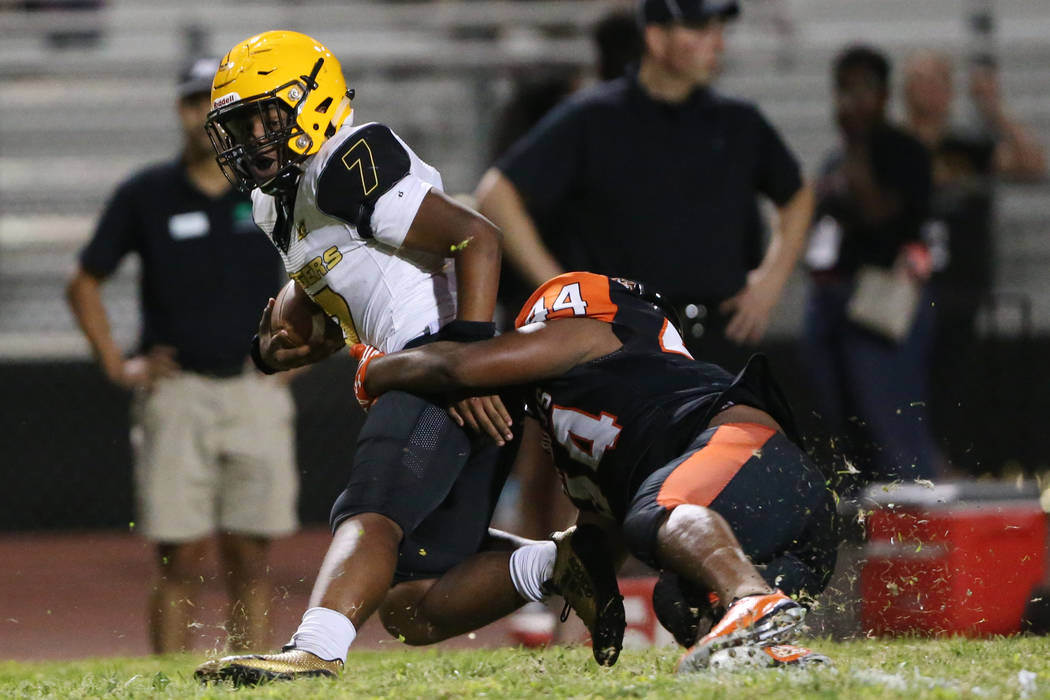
(484, 414)
(280, 351)
(143, 371)
(751, 309)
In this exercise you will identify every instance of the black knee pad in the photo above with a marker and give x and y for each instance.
(409, 454)
(414, 465)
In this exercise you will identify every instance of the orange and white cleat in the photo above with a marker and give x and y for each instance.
(760, 620)
(776, 655)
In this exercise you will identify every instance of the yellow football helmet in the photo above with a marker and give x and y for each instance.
(275, 99)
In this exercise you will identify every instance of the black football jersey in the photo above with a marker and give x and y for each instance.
(615, 420)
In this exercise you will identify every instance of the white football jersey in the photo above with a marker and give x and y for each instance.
(356, 201)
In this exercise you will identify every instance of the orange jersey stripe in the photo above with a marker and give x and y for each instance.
(568, 295)
(700, 478)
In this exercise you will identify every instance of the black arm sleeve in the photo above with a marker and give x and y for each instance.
(114, 235)
(545, 163)
(779, 174)
(362, 170)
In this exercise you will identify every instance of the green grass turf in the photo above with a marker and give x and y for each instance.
(911, 668)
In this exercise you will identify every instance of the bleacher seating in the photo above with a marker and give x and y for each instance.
(76, 120)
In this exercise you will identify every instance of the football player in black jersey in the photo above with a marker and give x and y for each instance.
(697, 472)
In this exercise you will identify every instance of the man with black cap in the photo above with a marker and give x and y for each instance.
(213, 438)
(656, 177)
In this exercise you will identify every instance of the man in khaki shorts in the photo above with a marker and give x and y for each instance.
(214, 439)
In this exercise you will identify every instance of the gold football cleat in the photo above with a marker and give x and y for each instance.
(253, 669)
(584, 575)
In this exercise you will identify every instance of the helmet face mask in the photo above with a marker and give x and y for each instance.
(252, 138)
(294, 99)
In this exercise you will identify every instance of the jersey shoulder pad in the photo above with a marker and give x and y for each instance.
(581, 294)
(360, 171)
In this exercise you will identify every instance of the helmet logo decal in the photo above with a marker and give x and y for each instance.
(225, 100)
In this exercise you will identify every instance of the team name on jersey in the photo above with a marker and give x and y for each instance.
(314, 270)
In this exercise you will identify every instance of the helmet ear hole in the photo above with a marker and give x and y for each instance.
(323, 107)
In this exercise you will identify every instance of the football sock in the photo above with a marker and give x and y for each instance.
(530, 567)
(324, 633)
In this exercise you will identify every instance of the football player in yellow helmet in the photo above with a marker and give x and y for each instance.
(277, 97)
(364, 227)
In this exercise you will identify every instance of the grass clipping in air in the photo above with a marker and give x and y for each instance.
(905, 668)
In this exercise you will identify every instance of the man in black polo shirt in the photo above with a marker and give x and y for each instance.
(214, 439)
(656, 177)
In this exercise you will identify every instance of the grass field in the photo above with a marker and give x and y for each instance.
(1000, 668)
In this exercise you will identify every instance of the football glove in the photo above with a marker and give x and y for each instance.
(364, 354)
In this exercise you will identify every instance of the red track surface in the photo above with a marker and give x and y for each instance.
(76, 595)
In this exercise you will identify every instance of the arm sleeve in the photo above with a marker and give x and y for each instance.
(114, 235)
(545, 163)
(779, 173)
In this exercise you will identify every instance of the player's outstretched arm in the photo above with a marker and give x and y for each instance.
(537, 352)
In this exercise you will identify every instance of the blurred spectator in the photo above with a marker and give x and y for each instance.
(656, 177)
(534, 94)
(618, 45)
(959, 235)
(869, 318)
(213, 438)
(543, 508)
(928, 97)
(960, 231)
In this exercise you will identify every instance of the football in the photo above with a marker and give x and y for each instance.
(297, 313)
